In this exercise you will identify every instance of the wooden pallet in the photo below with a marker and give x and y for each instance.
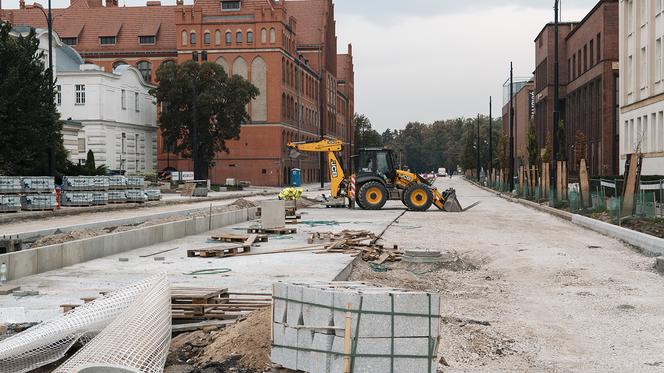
(283, 230)
(231, 306)
(198, 295)
(231, 237)
(218, 252)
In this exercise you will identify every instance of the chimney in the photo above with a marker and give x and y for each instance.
(350, 49)
(111, 3)
(179, 2)
(21, 4)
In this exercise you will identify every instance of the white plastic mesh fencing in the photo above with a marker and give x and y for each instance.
(49, 341)
(138, 339)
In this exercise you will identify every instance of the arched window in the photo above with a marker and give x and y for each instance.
(283, 108)
(145, 68)
(192, 38)
(217, 37)
(273, 36)
(250, 36)
(118, 63)
(263, 36)
(185, 37)
(229, 37)
(238, 37)
(206, 38)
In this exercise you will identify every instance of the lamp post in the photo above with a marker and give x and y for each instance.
(478, 148)
(511, 144)
(49, 23)
(556, 98)
(490, 142)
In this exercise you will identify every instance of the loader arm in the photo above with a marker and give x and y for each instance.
(330, 147)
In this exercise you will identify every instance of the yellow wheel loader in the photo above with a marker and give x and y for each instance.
(376, 180)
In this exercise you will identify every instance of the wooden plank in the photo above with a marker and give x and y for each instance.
(190, 327)
(383, 257)
(8, 289)
(585, 184)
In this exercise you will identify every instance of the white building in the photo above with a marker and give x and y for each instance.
(117, 113)
(642, 83)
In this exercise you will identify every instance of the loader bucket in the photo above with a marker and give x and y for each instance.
(452, 203)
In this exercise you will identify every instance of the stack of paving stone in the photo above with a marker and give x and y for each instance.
(84, 190)
(10, 198)
(38, 193)
(338, 327)
(117, 189)
(135, 186)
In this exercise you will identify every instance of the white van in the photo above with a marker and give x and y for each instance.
(442, 172)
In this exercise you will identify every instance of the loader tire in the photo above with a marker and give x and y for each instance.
(418, 197)
(373, 196)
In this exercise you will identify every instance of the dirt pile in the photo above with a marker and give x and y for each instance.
(243, 203)
(243, 347)
(66, 237)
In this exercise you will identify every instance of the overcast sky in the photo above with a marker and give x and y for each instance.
(423, 60)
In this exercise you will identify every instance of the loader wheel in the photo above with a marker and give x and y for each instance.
(418, 197)
(373, 196)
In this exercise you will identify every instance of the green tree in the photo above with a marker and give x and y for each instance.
(29, 121)
(365, 135)
(533, 146)
(562, 141)
(90, 160)
(202, 107)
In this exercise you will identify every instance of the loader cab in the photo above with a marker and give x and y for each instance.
(375, 162)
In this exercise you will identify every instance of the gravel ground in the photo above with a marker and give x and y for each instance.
(539, 294)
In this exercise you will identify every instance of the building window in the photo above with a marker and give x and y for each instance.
(229, 38)
(599, 48)
(147, 39)
(123, 144)
(592, 53)
(230, 5)
(137, 105)
(192, 38)
(250, 37)
(585, 58)
(107, 40)
(80, 94)
(630, 17)
(136, 153)
(644, 67)
(58, 95)
(206, 38)
(217, 37)
(238, 37)
(273, 36)
(658, 56)
(70, 41)
(184, 37)
(145, 68)
(123, 99)
(81, 146)
(263, 36)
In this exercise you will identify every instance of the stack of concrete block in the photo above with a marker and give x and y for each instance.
(38, 193)
(273, 214)
(117, 189)
(10, 189)
(400, 326)
(77, 191)
(134, 192)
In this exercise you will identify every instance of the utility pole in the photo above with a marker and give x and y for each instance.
(556, 98)
(490, 141)
(478, 148)
(51, 149)
(511, 145)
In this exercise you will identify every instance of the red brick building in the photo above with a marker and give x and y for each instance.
(588, 66)
(287, 49)
(592, 99)
(523, 103)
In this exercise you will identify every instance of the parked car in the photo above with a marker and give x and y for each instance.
(442, 172)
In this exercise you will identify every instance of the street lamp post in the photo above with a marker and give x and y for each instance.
(556, 98)
(511, 144)
(49, 23)
(490, 141)
(478, 148)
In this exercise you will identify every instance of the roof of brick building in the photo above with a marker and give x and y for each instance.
(311, 17)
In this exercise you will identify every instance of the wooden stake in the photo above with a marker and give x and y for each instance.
(349, 316)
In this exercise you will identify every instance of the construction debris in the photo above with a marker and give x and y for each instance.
(196, 304)
(353, 242)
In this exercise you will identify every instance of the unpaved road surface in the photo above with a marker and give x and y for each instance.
(557, 297)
